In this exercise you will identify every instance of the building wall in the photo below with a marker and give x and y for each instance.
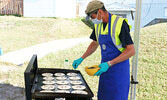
(155, 11)
(50, 8)
(39, 8)
(65, 8)
(151, 11)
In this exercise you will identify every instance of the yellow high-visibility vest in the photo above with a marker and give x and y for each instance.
(116, 25)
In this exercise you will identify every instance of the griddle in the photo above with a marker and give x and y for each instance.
(33, 82)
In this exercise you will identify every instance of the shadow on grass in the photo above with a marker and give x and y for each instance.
(50, 17)
(10, 92)
(16, 15)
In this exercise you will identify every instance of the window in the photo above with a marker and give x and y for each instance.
(165, 11)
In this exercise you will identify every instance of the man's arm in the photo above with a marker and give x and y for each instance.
(127, 53)
(91, 48)
(127, 43)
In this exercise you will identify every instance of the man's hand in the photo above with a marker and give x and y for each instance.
(103, 68)
(77, 62)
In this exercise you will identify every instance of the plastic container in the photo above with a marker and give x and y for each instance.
(91, 70)
(1, 53)
(66, 64)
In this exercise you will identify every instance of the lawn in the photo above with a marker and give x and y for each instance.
(152, 62)
(152, 68)
(20, 32)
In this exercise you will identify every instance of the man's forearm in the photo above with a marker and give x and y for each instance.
(92, 47)
(127, 53)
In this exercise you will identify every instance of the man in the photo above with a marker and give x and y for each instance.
(112, 34)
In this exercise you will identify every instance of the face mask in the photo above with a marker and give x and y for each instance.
(96, 21)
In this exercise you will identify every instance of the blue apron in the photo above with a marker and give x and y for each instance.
(114, 83)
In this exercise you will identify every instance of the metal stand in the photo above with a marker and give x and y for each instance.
(136, 44)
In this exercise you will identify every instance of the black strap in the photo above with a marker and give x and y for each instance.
(132, 81)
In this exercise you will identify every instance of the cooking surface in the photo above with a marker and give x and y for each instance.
(65, 90)
(42, 83)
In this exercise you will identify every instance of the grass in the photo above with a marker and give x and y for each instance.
(152, 65)
(20, 32)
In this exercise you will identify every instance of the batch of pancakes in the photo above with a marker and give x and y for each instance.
(61, 83)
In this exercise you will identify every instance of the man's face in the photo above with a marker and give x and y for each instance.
(98, 15)
(93, 16)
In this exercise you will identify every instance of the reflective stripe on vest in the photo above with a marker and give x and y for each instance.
(116, 24)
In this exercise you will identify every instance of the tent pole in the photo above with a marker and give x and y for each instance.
(136, 44)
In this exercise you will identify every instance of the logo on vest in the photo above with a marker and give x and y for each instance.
(103, 46)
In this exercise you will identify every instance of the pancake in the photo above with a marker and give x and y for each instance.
(62, 82)
(61, 78)
(78, 87)
(79, 92)
(59, 74)
(48, 78)
(74, 78)
(62, 91)
(72, 74)
(76, 82)
(47, 74)
(64, 87)
(48, 82)
(48, 87)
